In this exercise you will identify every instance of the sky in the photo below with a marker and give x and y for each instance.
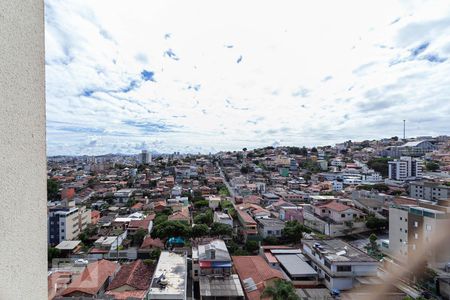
(207, 76)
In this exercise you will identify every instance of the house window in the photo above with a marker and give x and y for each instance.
(344, 268)
(323, 210)
(406, 220)
(342, 215)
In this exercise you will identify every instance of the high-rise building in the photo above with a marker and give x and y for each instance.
(405, 168)
(66, 223)
(145, 157)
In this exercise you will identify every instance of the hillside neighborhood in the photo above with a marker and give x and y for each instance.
(328, 222)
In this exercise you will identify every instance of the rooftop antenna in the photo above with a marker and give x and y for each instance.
(404, 129)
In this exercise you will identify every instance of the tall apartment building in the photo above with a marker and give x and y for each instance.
(420, 230)
(66, 223)
(405, 168)
(145, 157)
(429, 190)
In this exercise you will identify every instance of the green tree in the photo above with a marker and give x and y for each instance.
(155, 253)
(292, 232)
(52, 189)
(271, 240)
(169, 229)
(281, 290)
(379, 164)
(375, 223)
(252, 246)
(219, 229)
(204, 218)
(139, 236)
(160, 218)
(432, 166)
(52, 253)
(244, 169)
(200, 230)
(201, 204)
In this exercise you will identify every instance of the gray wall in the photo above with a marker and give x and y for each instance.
(23, 225)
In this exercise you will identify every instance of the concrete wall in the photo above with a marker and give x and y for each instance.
(23, 223)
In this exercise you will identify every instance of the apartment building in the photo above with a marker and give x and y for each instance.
(429, 190)
(340, 265)
(405, 168)
(420, 230)
(66, 223)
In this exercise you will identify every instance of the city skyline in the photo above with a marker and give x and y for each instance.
(197, 77)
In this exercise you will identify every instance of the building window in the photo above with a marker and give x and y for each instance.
(416, 236)
(342, 215)
(401, 240)
(327, 278)
(406, 220)
(401, 218)
(344, 268)
(401, 229)
(416, 224)
(428, 227)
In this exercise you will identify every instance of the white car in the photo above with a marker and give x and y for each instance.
(81, 262)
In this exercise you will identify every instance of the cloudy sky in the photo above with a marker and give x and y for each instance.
(206, 76)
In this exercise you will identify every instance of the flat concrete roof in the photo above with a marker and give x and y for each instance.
(295, 265)
(221, 287)
(68, 245)
(173, 267)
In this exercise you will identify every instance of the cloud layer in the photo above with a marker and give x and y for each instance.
(197, 76)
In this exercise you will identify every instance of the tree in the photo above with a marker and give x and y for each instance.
(252, 246)
(375, 223)
(372, 248)
(139, 236)
(52, 189)
(201, 204)
(155, 253)
(204, 218)
(292, 232)
(244, 149)
(160, 218)
(219, 229)
(281, 290)
(200, 230)
(53, 253)
(432, 166)
(271, 240)
(314, 150)
(244, 169)
(379, 164)
(169, 229)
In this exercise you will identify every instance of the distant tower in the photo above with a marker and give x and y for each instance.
(404, 129)
(144, 157)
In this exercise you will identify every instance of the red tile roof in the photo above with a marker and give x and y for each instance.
(126, 295)
(258, 269)
(137, 275)
(139, 224)
(336, 206)
(92, 278)
(148, 242)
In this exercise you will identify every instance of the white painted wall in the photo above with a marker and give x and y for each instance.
(23, 221)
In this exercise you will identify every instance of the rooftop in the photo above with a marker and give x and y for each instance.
(337, 250)
(221, 251)
(221, 287)
(171, 269)
(271, 222)
(295, 265)
(136, 274)
(68, 245)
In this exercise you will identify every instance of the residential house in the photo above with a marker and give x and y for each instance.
(339, 264)
(212, 268)
(132, 281)
(255, 275)
(270, 227)
(224, 218)
(93, 281)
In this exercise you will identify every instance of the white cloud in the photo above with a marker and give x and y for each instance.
(311, 73)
